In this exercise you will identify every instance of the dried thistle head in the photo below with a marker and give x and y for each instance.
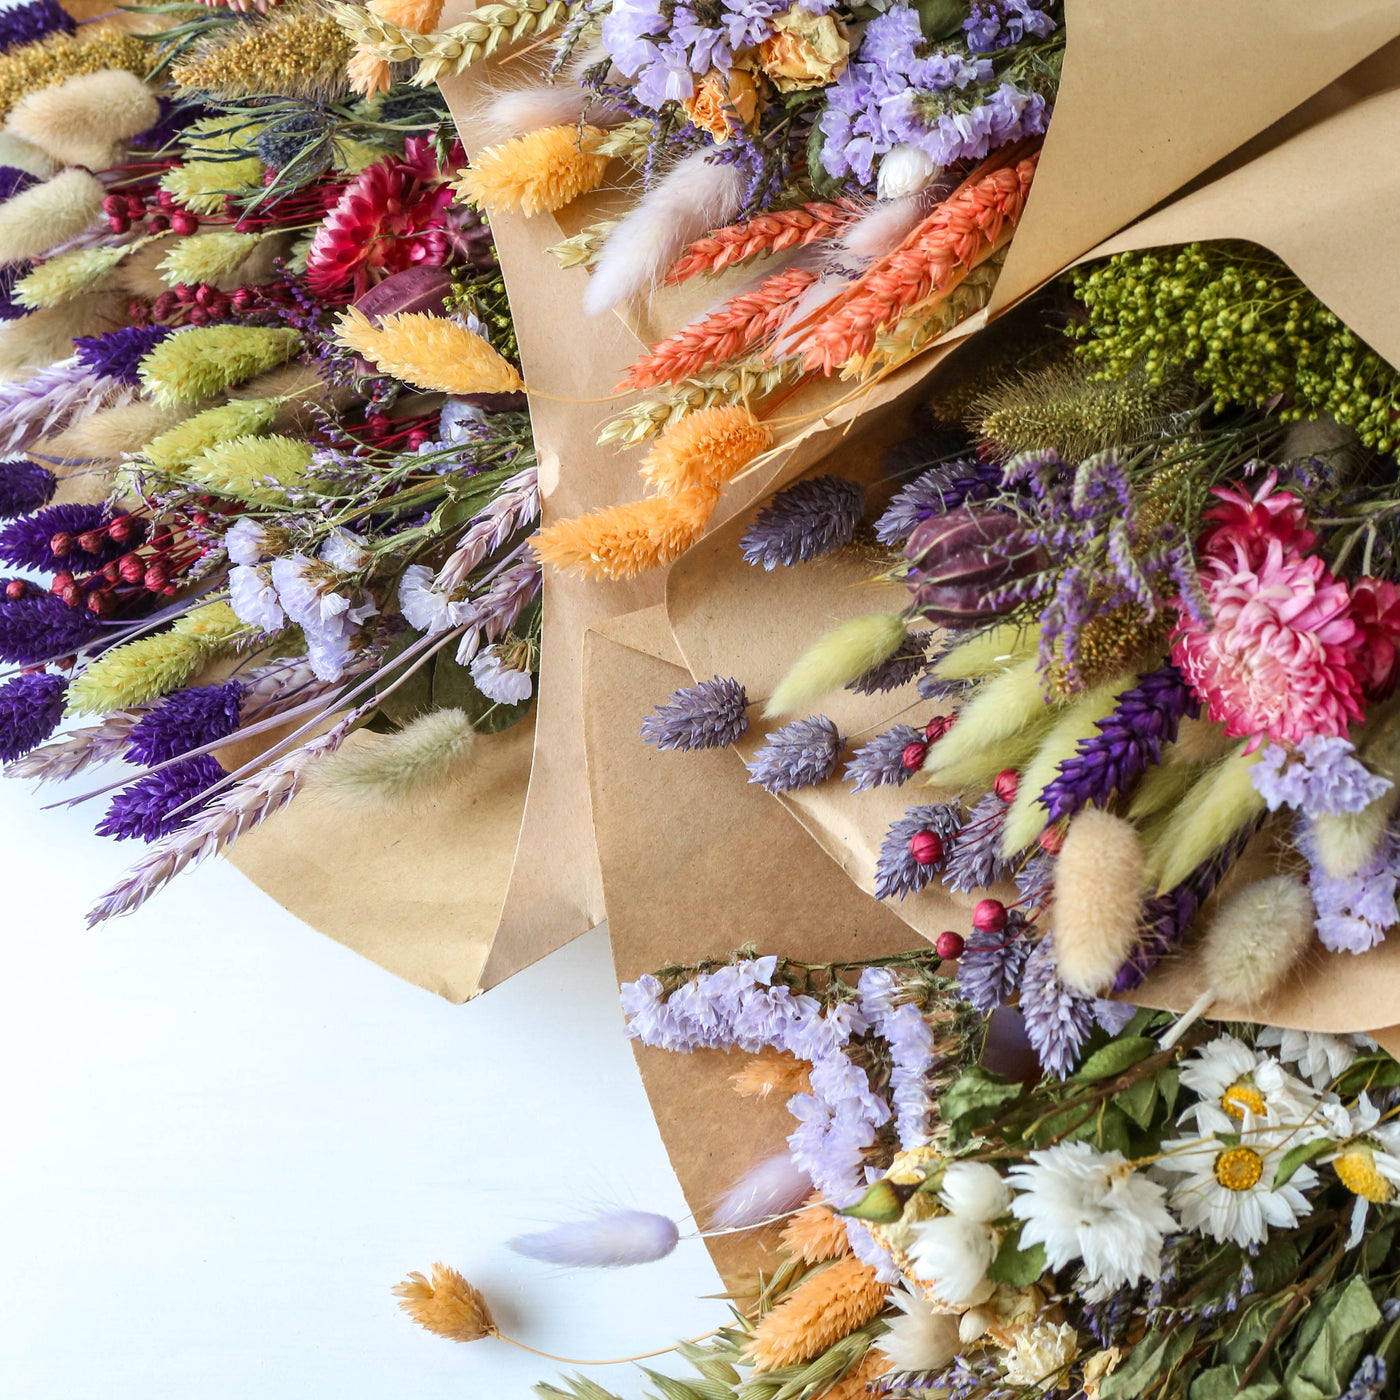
(446, 1305)
(1110, 644)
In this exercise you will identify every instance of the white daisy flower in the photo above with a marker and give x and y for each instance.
(1230, 1079)
(1042, 1356)
(1367, 1161)
(975, 1191)
(1084, 1204)
(1228, 1189)
(952, 1256)
(920, 1339)
(1321, 1058)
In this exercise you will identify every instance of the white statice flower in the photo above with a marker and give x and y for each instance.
(1231, 1079)
(425, 607)
(254, 600)
(1042, 1356)
(1227, 1191)
(345, 550)
(975, 1191)
(952, 1256)
(497, 680)
(920, 1338)
(1084, 1204)
(1367, 1160)
(329, 620)
(1319, 1057)
(904, 170)
(246, 541)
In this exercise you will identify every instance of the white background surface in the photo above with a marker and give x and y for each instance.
(223, 1138)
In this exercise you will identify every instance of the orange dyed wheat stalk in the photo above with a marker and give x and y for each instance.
(744, 321)
(768, 233)
(960, 233)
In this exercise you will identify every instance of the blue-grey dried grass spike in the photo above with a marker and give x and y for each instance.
(1058, 1021)
(897, 872)
(798, 755)
(974, 862)
(991, 964)
(809, 519)
(880, 763)
(901, 668)
(710, 715)
(933, 687)
(936, 492)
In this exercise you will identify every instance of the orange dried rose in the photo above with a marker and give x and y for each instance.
(805, 51)
(719, 100)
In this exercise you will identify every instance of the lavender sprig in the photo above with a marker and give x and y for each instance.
(237, 810)
(118, 354)
(1128, 742)
(798, 755)
(36, 20)
(710, 715)
(912, 852)
(807, 520)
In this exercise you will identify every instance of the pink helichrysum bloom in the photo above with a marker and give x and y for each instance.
(1375, 609)
(1251, 522)
(1279, 659)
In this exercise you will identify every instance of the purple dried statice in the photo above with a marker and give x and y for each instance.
(1167, 917)
(710, 715)
(974, 859)
(1353, 911)
(910, 657)
(29, 542)
(1128, 742)
(913, 849)
(798, 755)
(24, 486)
(1058, 1022)
(880, 763)
(991, 964)
(39, 627)
(118, 354)
(998, 24)
(30, 709)
(147, 809)
(804, 522)
(37, 20)
(13, 180)
(186, 720)
(936, 492)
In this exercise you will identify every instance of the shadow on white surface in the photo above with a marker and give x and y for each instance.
(226, 1138)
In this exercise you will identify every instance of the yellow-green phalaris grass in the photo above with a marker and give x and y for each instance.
(1219, 805)
(205, 257)
(1077, 721)
(835, 659)
(176, 449)
(254, 469)
(199, 363)
(150, 667)
(988, 653)
(67, 276)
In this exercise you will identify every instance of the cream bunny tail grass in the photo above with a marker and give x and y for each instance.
(1256, 939)
(1099, 887)
(85, 120)
(839, 657)
(48, 214)
(42, 337)
(423, 757)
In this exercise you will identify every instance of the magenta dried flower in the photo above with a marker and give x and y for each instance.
(798, 755)
(710, 715)
(807, 520)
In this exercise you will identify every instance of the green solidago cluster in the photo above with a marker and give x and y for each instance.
(1244, 326)
(484, 296)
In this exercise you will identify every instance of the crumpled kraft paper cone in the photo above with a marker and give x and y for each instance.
(696, 864)
(731, 619)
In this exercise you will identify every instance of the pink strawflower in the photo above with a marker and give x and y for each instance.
(1250, 522)
(1375, 608)
(1279, 658)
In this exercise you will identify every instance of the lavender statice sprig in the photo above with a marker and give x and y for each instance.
(710, 715)
(807, 520)
(1129, 741)
(798, 755)
(227, 817)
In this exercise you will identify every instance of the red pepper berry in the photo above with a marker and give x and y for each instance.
(183, 222)
(118, 223)
(156, 577)
(937, 727)
(926, 847)
(989, 916)
(949, 944)
(132, 567)
(1006, 783)
(111, 571)
(91, 541)
(72, 595)
(16, 588)
(913, 756)
(1050, 840)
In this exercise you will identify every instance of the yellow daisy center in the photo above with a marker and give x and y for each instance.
(1239, 1168)
(1239, 1096)
(1357, 1169)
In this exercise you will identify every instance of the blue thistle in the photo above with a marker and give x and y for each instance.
(1128, 742)
(710, 715)
(186, 720)
(798, 755)
(30, 709)
(807, 520)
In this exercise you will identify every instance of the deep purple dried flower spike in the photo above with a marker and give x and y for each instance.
(118, 354)
(186, 720)
(148, 808)
(28, 543)
(38, 627)
(24, 486)
(37, 20)
(30, 709)
(804, 522)
(710, 715)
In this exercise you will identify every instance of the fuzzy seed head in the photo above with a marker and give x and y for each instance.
(385, 769)
(1256, 938)
(256, 469)
(85, 119)
(446, 1305)
(773, 1072)
(48, 214)
(301, 53)
(1099, 888)
(536, 173)
(836, 659)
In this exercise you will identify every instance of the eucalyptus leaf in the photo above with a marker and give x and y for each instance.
(974, 1091)
(415, 696)
(1014, 1265)
(1115, 1057)
(1321, 1367)
(1151, 1359)
(453, 688)
(1139, 1101)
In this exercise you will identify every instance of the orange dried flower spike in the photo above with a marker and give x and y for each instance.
(816, 1233)
(767, 233)
(773, 1072)
(624, 541)
(854, 1385)
(743, 322)
(818, 1313)
(446, 1305)
(709, 448)
(421, 16)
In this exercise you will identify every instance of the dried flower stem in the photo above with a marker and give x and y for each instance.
(743, 382)
(94, 743)
(767, 233)
(744, 321)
